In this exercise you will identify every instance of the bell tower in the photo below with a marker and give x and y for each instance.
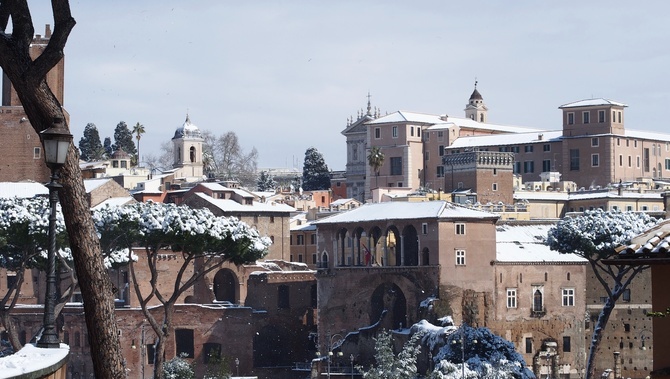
(187, 149)
(476, 109)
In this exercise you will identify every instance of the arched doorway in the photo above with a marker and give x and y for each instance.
(389, 297)
(225, 286)
(410, 242)
(392, 257)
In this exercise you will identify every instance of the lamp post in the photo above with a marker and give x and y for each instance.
(330, 350)
(56, 141)
(351, 357)
(237, 365)
(462, 342)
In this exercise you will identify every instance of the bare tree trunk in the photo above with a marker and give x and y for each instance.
(41, 107)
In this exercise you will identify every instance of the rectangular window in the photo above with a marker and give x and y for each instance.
(546, 147)
(528, 167)
(511, 298)
(424, 228)
(460, 229)
(574, 159)
(151, 352)
(37, 153)
(440, 150)
(494, 187)
(620, 160)
(566, 344)
(529, 345)
(378, 133)
(630, 161)
(586, 117)
(637, 161)
(571, 118)
(595, 142)
(272, 219)
(460, 257)
(619, 120)
(528, 148)
(517, 167)
(394, 132)
(283, 297)
(625, 296)
(568, 297)
(312, 239)
(184, 340)
(515, 149)
(411, 131)
(427, 156)
(601, 116)
(440, 171)
(645, 153)
(396, 165)
(667, 164)
(595, 160)
(301, 240)
(440, 136)
(546, 165)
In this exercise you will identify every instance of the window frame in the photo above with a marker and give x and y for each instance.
(512, 298)
(460, 256)
(568, 297)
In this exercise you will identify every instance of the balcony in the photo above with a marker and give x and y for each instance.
(539, 313)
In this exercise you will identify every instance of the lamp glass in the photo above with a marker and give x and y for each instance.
(55, 150)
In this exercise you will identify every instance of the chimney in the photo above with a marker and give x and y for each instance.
(47, 31)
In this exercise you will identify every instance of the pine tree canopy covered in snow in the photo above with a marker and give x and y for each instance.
(24, 233)
(486, 354)
(315, 173)
(597, 232)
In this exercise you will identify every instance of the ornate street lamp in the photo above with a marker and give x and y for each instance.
(56, 141)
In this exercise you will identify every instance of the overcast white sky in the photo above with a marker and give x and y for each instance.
(285, 75)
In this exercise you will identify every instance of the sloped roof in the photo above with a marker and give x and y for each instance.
(401, 210)
(114, 202)
(592, 103)
(655, 243)
(443, 121)
(92, 184)
(506, 139)
(227, 205)
(525, 242)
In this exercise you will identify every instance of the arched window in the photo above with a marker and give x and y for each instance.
(537, 301)
(192, 154)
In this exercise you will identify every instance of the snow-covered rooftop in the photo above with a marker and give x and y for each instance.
(507, 139)
(22, 189)
(227, 205)
(92, 184)
(592, 103)
(526, 243)
(115, 202)
(441, 122)
(584, 195)
(401, 210)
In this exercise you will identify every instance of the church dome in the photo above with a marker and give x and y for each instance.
(188, 130)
